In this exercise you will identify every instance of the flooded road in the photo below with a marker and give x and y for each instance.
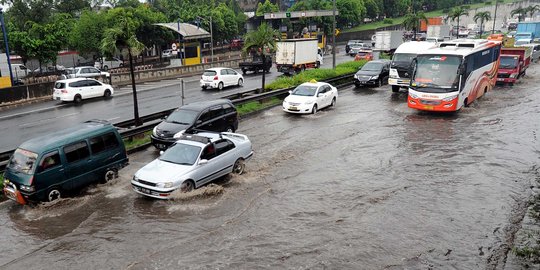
(369, 184)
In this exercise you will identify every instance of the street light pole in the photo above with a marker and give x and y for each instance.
(334, 36)
(211, 42)
(7, 45)
(178, 47)
(494, 17)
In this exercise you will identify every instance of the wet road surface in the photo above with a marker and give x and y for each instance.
(369, 184)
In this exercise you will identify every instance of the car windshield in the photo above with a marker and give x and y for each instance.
(372, 66)
(305, 90)
(521, 42)
(23, 161)
(209, 73)
(182, 117)
(436, 73)
(362, 53)
(518, 36)
(509, 62)
(182, 154)
(59, 85)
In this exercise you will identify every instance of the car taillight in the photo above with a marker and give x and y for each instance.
(64, 91)
(216, 78)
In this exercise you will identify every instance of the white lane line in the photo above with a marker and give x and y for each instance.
(110, 119)
(32, 111)
(45, 119)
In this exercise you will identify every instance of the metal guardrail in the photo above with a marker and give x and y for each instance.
(127, 129)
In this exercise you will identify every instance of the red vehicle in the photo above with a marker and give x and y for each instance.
(513, 64)
(237, 44)
(364, 55)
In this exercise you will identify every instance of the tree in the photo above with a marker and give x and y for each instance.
(532, 9)
(261, 39)
(72, 7)
(267, 7)
(457, 12)
(351, 12)
(521, 12)
(372, 9)
(226, 27)
(23, 11)
(87, 33)
(412, 21)
(122, 36)
(483, 16)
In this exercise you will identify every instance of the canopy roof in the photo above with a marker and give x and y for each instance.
(187, 31)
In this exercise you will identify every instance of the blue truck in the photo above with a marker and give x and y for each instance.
(527, 32)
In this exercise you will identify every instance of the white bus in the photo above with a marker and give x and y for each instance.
(401, 62)
(453, 75)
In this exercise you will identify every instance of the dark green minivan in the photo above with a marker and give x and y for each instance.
(44, 168)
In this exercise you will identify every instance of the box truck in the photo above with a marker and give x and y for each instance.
(295, 55)
(388, 41)
(438, 31)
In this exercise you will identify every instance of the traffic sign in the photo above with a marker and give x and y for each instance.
(288, 14)
(173, 46)
(337, 32)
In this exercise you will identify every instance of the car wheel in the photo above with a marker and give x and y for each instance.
(110, 174)
(395, 88)
(203, 87)
(379, 83)
(220, 86)
(77, 99)
(187, 186)
(239, 166)
(314, 109)
(105, 67)
(244, 71)
(230, 129)
(54, 194)
(240, 82)
(333, 102)
(318, 64)
(107, 93)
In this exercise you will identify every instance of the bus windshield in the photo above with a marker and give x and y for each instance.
(436, 73)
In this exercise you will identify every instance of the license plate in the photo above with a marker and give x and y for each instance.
(428, 107)
(143, 190)
(160, 146)
(57, 98)
(500, 79)
(293, 108)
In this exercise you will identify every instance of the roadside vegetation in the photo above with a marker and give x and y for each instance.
(254, 106)
(529, 248)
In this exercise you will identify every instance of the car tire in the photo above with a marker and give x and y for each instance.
(203, 87)
(220, 86)
(54, 194)
(379, 82)
(107, 93)
(187, 186)
(77, 99)
(333, 104)
(395, 88)
(229, 129)
(240, 82)
(317, 64)
(314, 109)
(105, 67)
(244, 71)
(109, 175)
(239, 166)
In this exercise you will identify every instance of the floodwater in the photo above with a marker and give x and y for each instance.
(369, 184)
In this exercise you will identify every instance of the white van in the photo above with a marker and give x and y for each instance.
(401, 62)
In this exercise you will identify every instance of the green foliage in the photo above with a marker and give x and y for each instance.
(260, 39)
(323, 22)
(457, 12)
(87, 32)
(122, 34)
(372, 8)
(266, 7)
(224, 22)
(137, 141)
(315, 74)
(257, 105)
(388, 21)
(351, 12)
(72, 7)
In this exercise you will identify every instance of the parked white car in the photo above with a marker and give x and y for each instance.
(310, 97)
(220, 78)
(108, 63)
(78, 89)
(85, 72)
(193, 161)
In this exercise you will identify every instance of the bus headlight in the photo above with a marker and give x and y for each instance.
(413, 95)
(450, 98)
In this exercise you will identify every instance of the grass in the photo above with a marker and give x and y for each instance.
(399, 20)
(135, 142)
(315, 74)
(254, 106)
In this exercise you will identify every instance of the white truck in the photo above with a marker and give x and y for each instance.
(440, 32)
(295, 55)
(402, 60)
(388, 41)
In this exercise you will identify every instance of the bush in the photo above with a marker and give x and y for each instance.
(315, 74)
(388, 21)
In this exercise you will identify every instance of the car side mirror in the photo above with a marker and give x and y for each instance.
(320, 94)
(203, 161)
(290, 91)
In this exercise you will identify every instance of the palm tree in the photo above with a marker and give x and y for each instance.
(261, 39)
(483, 16)
(457, 12)
(532, 9)
(520, 12)
(412, 21)
(122, 36)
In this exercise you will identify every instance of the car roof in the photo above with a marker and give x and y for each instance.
(384, 61)
(201, 139)
(314, 83)
(75, 80)
(66, 136)
(217, 68)
(201, 105)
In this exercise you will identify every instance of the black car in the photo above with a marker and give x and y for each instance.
(373, 73)
(216, 115)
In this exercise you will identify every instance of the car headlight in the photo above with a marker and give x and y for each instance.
(135, 178)
(375, 77)
(413, 95)
(309, 102)
(179, 134)
(165, 185)
(514, 75)
(27, 188)
(356, 76)
(154, 131)
(450, 98)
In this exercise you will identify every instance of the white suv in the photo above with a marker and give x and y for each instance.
(221, 77)
(78, 89)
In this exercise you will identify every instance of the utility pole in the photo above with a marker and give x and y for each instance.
(178, 47)
(7, 46)
(334, 36)
(211, 42)
(494, 17)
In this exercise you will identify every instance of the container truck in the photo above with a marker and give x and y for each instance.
(438, 31)
(527, 32)
(401, 62)
(295, 55)
(513, 64)
(388, 41)
(430, 21)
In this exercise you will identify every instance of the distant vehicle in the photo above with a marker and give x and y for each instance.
(77, 89)
(373, 73)
(355, 48)
(237, 44)
(220, 78)
(296, 55)
(453, 75)
(512, 26)
(438, 31)
(511, 34)
(48, 69)
(168, 53)
(191, 162)
(20, 71)
(217, 115)
(351, 43)
(535, 47)
(402, 60)
(527, 31)
(513, 64)
(47, 167)
(85, 72)
(108, 63)
(364, 55)
(434, 39)
(388, 41)
(310, 97)
(256, 64)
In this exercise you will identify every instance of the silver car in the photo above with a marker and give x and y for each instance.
(193, 161)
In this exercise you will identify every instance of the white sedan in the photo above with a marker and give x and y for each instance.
(220, 78)
(194, 160)
(310, 97)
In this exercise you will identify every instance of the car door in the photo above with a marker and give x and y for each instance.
(225, 157)
(234, 76)
(385, 73)
(51, 172)
(96, 88)
(205, 173)
(78, 164)
(225, 78)
(207, 120)
(83, 89)
(322, 96)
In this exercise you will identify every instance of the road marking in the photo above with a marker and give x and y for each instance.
(32, 111)
(110, 119)
(51, 118)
